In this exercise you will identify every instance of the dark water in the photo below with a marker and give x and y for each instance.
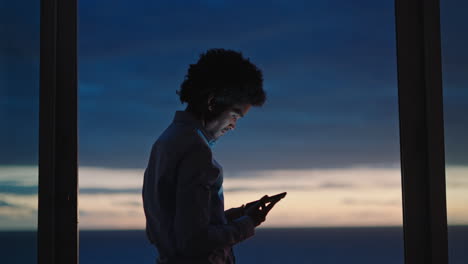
(309, 245)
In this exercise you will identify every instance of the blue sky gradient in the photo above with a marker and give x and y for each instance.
(329, 68)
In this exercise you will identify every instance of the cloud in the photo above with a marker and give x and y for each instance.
(276, 185)
(138, 204)
(267, 188)
(110, 191)
(336, 185)
(103, 214)
(6, 204)
(11, 187)
(457, 185)
(282, 187)
(351, 201)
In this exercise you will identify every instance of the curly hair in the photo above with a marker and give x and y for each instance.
(226, 76)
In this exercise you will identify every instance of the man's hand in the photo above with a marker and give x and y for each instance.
(259, 210)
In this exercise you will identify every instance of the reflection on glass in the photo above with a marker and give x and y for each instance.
(328, 133)
(454, 25)
(19, 115)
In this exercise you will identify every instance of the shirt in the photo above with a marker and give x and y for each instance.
(183, 198)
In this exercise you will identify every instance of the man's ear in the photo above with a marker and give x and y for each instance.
(210, 102)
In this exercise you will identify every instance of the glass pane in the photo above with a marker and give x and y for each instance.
(454, 25)
(19, 115)
(328, 133)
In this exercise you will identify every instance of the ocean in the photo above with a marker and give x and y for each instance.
(367, 245)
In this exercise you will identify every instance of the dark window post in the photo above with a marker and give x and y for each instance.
(421, 131)
(58, 181)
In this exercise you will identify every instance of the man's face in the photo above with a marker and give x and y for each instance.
(227, 120)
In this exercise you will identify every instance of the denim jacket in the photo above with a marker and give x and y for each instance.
(183, 199)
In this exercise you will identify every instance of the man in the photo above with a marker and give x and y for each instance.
(182, 191)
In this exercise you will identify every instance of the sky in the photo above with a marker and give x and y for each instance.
(328, 133)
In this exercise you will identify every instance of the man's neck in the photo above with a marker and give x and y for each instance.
(196, 114)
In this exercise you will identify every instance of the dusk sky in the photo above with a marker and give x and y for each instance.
(328, 133)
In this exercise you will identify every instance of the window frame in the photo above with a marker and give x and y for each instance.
(420, 115)
(421, 131)
(58, 162)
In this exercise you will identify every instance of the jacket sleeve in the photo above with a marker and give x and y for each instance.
(195, 235)
(234, 213)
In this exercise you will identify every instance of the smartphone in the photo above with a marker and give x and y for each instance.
(274, 198)
(277, 197)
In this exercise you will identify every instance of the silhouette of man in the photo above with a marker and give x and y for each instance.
(183, 184)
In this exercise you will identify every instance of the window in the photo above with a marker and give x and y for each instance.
(454, 57)
(409, 14)
(328, 133)
(19, 105)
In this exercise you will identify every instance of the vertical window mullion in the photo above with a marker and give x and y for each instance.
(421, 131)
(58, 181)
